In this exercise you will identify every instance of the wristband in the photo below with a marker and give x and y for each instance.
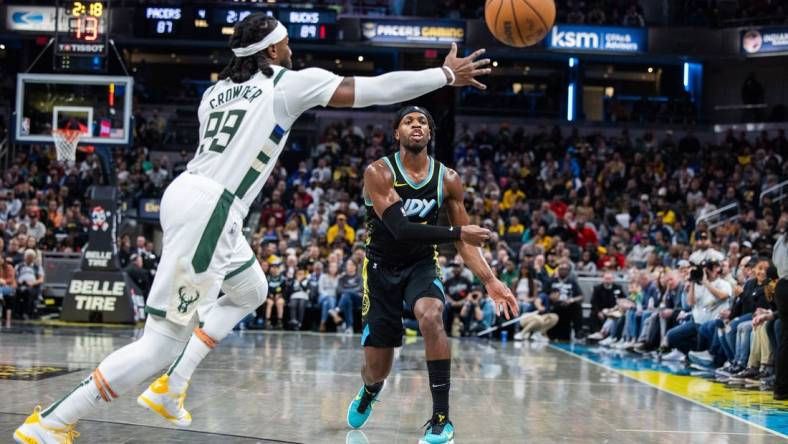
(453, 78)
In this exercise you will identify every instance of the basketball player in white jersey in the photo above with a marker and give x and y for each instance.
(245, 119)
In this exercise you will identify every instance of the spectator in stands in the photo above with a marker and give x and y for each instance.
(477, 313)
(314, 231)
(639, 254)
(342, 231)
(633, 17)
(299, 298)
(327, 288)
(704, 251)
(157, 174)
(349, 289)
(708, 297)
(605, 296)
(124, 251)
(29, 277)
(138, 274)
(567, 304)
(276, 296)
(536, 322)
(35, 227)
(735, 345)
(457, 288)
(180, 165)
(760, 363)
(7, 288)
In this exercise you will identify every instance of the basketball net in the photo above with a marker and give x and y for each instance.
(66, 141)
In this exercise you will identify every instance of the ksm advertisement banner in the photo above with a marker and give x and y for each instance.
(579, 38)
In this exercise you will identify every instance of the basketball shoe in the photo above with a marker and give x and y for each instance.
(361, 407)
(168, 405)
(439, 431)
(34, 432)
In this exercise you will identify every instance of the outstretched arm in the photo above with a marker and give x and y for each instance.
(472, 255)
(401, 86)
(378, 184)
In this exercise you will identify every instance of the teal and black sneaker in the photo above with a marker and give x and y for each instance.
(359, 410)
(439, 431)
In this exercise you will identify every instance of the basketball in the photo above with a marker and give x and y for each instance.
(519, 23)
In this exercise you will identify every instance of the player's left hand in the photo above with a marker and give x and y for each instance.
(503, 297)
(466, 69)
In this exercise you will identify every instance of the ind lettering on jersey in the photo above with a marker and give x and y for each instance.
(237, 92)
(418, 207)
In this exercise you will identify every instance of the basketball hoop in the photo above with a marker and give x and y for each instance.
(66, 141)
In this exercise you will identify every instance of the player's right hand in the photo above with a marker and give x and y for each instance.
(466, 69)
(474, 235)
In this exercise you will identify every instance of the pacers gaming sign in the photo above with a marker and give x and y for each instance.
(597, 39)
(394, 31)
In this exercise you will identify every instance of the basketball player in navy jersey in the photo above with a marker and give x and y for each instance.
(404, 192)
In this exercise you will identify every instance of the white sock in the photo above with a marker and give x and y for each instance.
(218, 324)
(243, 294)
(181, 370)
(82, 400)
(122, 370)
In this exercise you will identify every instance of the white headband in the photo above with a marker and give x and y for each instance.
(275, 36)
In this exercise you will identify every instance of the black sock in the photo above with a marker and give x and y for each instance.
(440, 383)
(373, 388)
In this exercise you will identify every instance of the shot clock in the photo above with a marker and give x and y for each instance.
(83, 30)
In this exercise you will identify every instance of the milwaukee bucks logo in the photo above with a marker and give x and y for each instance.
(186, 299)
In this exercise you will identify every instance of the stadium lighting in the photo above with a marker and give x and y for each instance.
(360, 58)
(686, 76)
(570, 105)
(570, 91)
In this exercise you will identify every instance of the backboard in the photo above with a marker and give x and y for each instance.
(100, 106)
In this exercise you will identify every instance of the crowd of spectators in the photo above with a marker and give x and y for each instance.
(741, 13)
(559, 203)
(601, 12)
(716, 312)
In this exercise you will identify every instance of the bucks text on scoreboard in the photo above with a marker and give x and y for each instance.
(84, 30)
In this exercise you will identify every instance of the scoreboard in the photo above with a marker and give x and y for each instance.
(303, 25)
(86, 24)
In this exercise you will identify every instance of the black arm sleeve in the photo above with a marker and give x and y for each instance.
(403, 229)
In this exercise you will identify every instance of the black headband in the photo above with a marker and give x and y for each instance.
(415, 109)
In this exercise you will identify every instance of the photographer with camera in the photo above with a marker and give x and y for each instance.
(708, 295)
(477, 313)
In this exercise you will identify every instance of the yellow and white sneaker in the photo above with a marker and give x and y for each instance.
(169, 406)
(34, 432)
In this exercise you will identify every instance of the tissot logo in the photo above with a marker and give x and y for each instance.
(420, 207)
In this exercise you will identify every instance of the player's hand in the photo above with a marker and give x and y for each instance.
(503, 297)
(466, 69)
(474, 235)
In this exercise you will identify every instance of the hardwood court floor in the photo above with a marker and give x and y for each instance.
(286, 387)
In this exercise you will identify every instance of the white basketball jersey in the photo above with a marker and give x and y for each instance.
(244, 126)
